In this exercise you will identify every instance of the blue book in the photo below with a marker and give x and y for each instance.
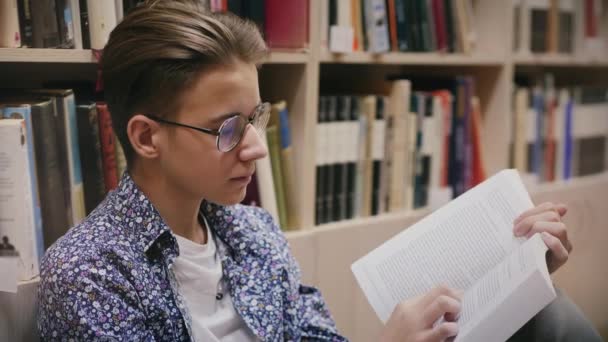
(24, 112)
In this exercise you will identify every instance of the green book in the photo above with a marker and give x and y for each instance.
(274, 149)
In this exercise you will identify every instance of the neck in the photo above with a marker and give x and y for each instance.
(178, 209)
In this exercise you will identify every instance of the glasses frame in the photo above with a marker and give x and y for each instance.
(250, 119)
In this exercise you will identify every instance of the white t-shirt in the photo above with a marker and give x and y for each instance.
(198, 271)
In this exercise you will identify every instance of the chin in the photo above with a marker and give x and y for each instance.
(228, 199)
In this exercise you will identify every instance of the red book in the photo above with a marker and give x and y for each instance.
(440, 25)
(108, 152)
(590, 19)
(392, 24)
(286, 23)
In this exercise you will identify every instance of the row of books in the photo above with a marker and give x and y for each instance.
(65, 161)
(559, 133)
(398, 25)
(273, 186)
(86, 24)
(559, 26)
(414, 148)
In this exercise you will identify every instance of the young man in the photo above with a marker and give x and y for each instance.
(170, 255)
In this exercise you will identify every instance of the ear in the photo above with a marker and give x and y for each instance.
(144, 135)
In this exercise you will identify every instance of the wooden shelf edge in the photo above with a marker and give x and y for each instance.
(559, 60)
(27, 55)
(571, 184)
(399, 58)
(288, 57)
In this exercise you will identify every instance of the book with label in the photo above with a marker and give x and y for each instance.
(20, 218)
(468, 244)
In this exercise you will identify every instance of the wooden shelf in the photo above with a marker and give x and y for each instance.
(419, 58)
(27, 55)
(559, 60)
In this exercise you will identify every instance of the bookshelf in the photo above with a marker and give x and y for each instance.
(299, 77)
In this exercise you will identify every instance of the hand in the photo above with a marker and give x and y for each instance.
(547, 220)
(413, 319)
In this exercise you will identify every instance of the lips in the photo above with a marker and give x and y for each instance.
(242, 179)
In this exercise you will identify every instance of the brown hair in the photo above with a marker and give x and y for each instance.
(157, 51)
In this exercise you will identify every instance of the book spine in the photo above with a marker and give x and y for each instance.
(45, 33)
(568, 139)
(392, 24)
(9, 24)
(287, 166)
(121, 161)
(402, 25)
(286, 23)
(102, 20)
(266, 185)
(34, 213)
(17, 216)
(274, 149)
(378, 147)
(332, 151)
(450, 24)
(76, 23)
(84, 24)
(49, 168)
(90, 155)
(376, 24)
(321, 148)
(108, 151)
(440, 25)
(65, 24)
(352, 158)
(25, 23)
(75, 165)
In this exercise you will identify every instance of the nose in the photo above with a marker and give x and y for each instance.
(253, 146)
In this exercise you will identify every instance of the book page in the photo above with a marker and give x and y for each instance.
(498, 285)
(454, 246)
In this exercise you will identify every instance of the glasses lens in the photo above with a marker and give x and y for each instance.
(230, 133)
(261, 117)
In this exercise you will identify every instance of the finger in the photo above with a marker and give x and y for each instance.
(547, 206)
(440, 332)
(557, 229)
(559, 254)
(523, 227)
(441, 306)
(440, 291)
(562, 209)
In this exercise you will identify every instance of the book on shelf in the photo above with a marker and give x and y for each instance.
(108, 151)
(9, 24)
(90, 155)
(274, 152)
(67, 133)
(379, 26)
(287, 165)
(48, 162)
(505, 279)
(417, 147)
(556, 132)
(20, 230)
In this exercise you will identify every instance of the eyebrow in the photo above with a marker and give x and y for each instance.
(223, 117)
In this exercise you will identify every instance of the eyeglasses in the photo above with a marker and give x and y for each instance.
(232, 129)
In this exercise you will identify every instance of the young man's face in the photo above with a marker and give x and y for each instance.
(190, 159)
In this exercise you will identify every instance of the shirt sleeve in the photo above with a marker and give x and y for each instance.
(313, 317)
(84, 298)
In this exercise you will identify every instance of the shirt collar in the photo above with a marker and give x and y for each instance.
(136, 213)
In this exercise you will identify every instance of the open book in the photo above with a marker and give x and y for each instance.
(468, 244)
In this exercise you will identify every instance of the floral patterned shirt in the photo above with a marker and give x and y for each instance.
(110, 278)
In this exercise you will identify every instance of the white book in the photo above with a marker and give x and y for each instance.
(342, 35)
(9, 24)
(399, 111)
(376, 25)
(468, 244)
(75, 8)
(18, 235)
(102, 20)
